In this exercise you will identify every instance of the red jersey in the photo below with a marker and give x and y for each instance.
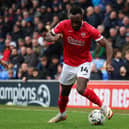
(76, 44)
(6, 55)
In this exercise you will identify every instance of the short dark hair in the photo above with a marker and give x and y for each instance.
(115, 51)
(35, 70)
(75, 10)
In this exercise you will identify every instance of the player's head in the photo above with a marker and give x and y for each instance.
(76, 16)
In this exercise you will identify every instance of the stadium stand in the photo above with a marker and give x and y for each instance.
(24, 53)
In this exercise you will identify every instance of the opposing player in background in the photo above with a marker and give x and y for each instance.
(77, 36)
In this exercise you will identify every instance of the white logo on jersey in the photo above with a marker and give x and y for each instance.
(70, 31)
(75, 42)
(83, 34)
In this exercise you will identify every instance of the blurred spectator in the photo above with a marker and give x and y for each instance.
(95, 74)
(36, 74)
(21, 43)
(101, 29)
(4, 74)
(35, 35)
(119, 5)
(8, 36)
(53, 66)
(56, 10)
(40, 27)
(28, 41)
(43, 67)
(126, 46)
(113, 36)
(117, 62)
(108, 10)
(120, 41)
(43, 12)
(15, 58)
(121, 16)
(12, 67)
(31, 58)
(29, 28)
(35, 4)
(49, 14)
(123, 73)
(36, 47)
(23, 72)
(124, 70)
(30, 72)
(92, 17)
(23, 52)
(127, 38)
(59, 70)
(11, 74)
(26, 16)
(44, 47)
(6, 54)
(126, 7)
(99, 13)
(111, 21)
(126, 21)
(2, 45)
(17, 33)
(36, 20)
(12, 45)
(7, 24)
(104, 72)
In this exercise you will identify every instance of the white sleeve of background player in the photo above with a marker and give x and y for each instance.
(58, 28)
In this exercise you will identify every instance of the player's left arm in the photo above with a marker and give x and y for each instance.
(103, 42)
(109, 51)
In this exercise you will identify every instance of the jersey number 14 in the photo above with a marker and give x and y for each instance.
(84, 69)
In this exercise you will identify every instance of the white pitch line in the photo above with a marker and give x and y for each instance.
(52, 110)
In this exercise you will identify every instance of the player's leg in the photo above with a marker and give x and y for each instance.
(63, 97)
(86, 92)
(91, 95)
(62, 103)
(82, 80)
(67, 80)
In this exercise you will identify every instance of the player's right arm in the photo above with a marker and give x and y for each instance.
(53, 38)
(56, 33)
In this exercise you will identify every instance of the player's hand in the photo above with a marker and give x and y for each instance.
(109, 67)
(4, 64)
(24, 79)
(58, 36)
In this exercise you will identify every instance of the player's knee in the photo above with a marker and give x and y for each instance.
(65, 90)
(80, 90)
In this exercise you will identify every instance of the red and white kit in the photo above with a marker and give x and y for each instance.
(76, 49)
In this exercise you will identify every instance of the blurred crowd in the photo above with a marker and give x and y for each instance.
(25, 54)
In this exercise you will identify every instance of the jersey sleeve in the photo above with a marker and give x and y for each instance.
(95, 34)
(58, 28)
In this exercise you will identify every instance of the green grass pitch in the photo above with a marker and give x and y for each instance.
(36, 118)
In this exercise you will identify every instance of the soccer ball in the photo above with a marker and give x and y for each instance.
(96, 117)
